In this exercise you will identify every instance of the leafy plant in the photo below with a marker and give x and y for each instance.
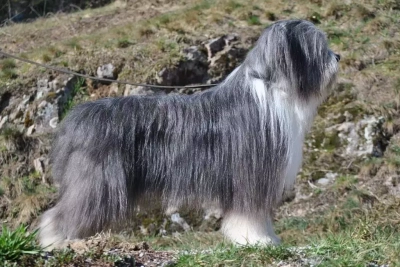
(253, 20)
(7, 67)
(69, 102)
(14, 244)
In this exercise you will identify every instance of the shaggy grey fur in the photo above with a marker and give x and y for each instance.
(231, 144)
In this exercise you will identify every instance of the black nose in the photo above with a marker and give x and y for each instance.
(337, 56)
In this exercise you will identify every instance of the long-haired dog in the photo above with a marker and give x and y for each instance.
(238, 145)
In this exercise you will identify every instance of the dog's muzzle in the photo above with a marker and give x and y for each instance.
(337, 56)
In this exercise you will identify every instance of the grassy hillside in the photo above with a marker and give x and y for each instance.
(345, 210)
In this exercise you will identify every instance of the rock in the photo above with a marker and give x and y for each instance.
(113, 89)
(30, 130)
(209, 63)
(42, 104)
(53, 122)
(393, 185)
(54, 84)
(38, 164)
(194, 53)
(5, 100)
(3, 121)
(16, 114)
(79, 246)
(39, 94)
(41, 88)
(176, 218)
(134, 90)
(42, 84)
(323, 181)
(363, 138)
(106, 71)
(191, 70)
(211, 210)
(225, 58)
(215, 45)
(329, 178)
(45, 113)
(25, 100)
(219, 44)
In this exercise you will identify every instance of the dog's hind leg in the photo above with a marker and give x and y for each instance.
(93, 197)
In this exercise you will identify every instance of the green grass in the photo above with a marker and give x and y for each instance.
(17, 243)
(8, 64)
(353, 237)
(229, 255)
(8, 69)
(124, 43)
(358, 246)
(74, 43)
(254, 20)
(69, 103)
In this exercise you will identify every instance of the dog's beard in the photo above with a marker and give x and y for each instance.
(238, 144)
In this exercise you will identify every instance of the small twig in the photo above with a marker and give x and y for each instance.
(34, 10)
(9, 9)
(77, 7)
(44, 8)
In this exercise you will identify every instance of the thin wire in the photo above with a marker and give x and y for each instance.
(101, 79)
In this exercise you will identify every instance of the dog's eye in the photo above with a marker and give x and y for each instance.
(337, 56)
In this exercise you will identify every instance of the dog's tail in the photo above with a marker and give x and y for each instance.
(87, 165)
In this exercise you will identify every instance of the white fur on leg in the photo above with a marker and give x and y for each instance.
(248, 229)
(49, 236)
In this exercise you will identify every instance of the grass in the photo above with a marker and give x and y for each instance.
(17, 243)
(358, 246)
(254, 20)
(69, 103)
(349, 235)
(8, 69)
(228, 255)
(124, 43)
(332, 249)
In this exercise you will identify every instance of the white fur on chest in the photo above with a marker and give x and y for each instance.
(299, 119)
(295, 119)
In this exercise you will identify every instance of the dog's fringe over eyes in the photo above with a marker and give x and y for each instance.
(237, 145)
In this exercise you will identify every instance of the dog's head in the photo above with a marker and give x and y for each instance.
(294, 55)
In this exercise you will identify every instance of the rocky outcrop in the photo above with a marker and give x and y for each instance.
(208, 63)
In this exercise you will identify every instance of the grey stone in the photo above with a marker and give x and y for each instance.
(54, 84)
(137, 90)
(3, 121)
(106, 71)
(323, 181)
(30, 130)
(38, 164)
(176, 218)
(53, 122)
(16, 114)
(360, 136)
(42, 104)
